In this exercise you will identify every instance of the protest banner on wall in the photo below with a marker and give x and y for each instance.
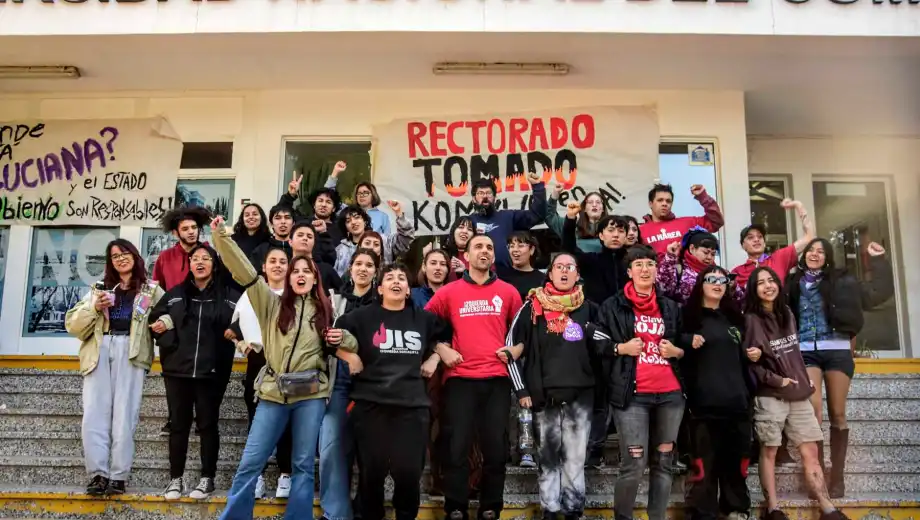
(87, 172)
(430, 164)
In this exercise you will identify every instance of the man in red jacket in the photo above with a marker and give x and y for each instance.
(476, 396)
(662, 227)
(171, 267)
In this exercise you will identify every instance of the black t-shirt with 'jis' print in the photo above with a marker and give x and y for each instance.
(392, 346)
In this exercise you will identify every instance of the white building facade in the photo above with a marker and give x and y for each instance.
(815, 100)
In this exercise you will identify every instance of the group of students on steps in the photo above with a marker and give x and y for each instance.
(373, 368)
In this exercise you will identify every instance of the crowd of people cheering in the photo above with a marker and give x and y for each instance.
(374, 368)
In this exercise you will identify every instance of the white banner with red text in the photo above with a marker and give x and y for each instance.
(430, 164)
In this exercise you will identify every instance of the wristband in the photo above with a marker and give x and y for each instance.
(616, 349)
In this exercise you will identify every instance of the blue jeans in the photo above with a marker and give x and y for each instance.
(267, 426)
(334, 484)
(647, 422)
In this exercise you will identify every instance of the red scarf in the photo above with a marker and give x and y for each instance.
(691, 262)
(642, 304)
(555, 305)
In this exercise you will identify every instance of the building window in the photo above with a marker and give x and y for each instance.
(64, 263)
(4, 244)
(206, 156)
(314, 160)
(766, 194)
(851, 214)
(682, 165)
(214, 194)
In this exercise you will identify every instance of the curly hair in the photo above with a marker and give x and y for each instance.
(170, 220)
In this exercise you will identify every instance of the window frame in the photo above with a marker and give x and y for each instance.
(792, 229)
(893, 252)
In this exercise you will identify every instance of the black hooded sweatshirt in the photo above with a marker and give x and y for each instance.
(716, 375)
(248, 243)
(195, 347)
(604, 273)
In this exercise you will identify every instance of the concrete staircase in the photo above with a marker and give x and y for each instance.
(42, 473)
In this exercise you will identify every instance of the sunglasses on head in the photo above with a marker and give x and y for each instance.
(715, 279)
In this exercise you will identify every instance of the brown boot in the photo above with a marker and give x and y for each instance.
(840, 440)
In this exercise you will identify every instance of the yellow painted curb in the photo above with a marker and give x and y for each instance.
(78, 504)
(887, 366)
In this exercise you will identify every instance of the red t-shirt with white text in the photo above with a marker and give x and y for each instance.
(480, 316)
(654, 374)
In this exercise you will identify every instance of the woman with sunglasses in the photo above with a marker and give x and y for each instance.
(556, 336)
(115, 355)
(719, 398)
(192, 326)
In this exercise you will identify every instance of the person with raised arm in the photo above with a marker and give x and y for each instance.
(592, 210)
(395, 342)
(324, 202)
(783, 260)
(684, 261)
(645, 385)
(116, 352)
(499, 223)
(191, 324)
(366, 197)
(477, 392)
(354, 222)
(294, 384)
(828, 304)
(662, 227)
(781, 402)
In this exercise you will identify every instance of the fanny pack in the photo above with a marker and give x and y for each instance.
(299, 384)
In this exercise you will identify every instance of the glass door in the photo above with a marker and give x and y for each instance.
(851, 214)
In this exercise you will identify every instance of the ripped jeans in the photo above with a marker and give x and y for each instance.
(649, 421)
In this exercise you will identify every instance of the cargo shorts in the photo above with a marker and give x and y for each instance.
(773, 417)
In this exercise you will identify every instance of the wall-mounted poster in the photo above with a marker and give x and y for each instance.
(214, 194)
(71, 172)
(65, 262)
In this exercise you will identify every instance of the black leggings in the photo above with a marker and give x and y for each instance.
(199, 398)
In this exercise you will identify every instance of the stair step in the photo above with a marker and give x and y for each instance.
(70, 421)
(154, 473)
(69, 503)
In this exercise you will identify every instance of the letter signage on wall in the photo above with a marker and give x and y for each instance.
(430, 164)
(87, 172)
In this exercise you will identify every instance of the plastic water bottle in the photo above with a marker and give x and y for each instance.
(525, 418)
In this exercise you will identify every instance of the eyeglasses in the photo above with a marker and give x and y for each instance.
(120, 256)
(715, 279)
(565, 268)
(363, 193)
(201, 259)
(482, 193)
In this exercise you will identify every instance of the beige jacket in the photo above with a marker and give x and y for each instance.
(90, 325)
(299, 350)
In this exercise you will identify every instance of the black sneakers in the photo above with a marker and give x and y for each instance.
(456, 515)
(776, 514)
(116, 487)
(97, 486)
(834, 515)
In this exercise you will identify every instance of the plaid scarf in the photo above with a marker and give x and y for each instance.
(555, 305)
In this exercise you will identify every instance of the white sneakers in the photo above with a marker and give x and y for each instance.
(174, 490)
(284, 486)
(203, 490)
(260, 487)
